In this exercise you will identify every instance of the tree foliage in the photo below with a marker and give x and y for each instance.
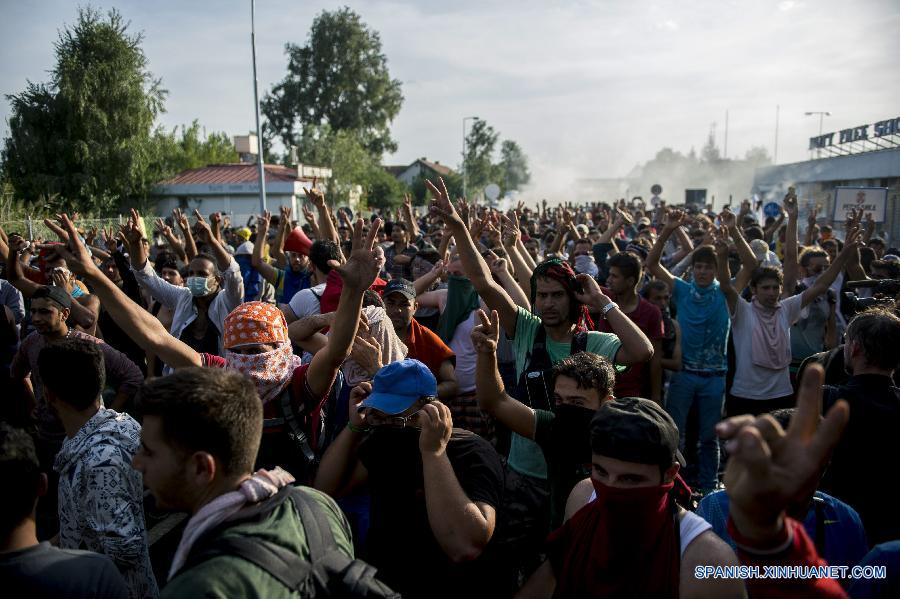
(510, 173)
(82, 141)
(351, 166)
(514, 166)
(174, 152)
(339, 79)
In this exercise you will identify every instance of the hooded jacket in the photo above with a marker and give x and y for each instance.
(101, 497)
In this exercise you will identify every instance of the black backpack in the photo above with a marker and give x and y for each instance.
(329, 573)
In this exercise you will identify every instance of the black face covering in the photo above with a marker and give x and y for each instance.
(571, 437)
(394, 454)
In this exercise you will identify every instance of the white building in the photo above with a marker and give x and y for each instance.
(233, 189)
(421, 167)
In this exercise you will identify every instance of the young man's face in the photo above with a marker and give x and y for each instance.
(816, 266)
(628, 475)
(112, 271)
(297, 261)
(400, 310)
(617, 282)
(172, 276)
(567, 392)
(201, 267)
(47, 316)
(581, 249)
(660, 298)
(767, 291)
(704, 273)
(551, 302)
(163, 467)
(399, 236)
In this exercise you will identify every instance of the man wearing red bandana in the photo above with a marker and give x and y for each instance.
(626, 535)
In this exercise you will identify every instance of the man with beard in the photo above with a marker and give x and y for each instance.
(435, 489)
(424, 345)
(581, 383)
(257, 344)
(628, 537)
(214, 288)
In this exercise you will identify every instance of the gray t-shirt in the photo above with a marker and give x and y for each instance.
(45, 571)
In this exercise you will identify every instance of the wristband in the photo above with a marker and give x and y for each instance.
(605, 309)
(357, 429)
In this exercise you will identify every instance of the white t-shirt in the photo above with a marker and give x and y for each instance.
(466, 356)
(752, 381)
(305, 302)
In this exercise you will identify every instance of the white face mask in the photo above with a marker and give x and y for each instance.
(199, 286)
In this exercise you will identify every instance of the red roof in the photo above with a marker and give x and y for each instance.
(232, 173)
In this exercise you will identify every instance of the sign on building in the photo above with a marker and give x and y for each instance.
(870, 199)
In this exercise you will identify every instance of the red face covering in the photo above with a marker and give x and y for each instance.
(623, 544)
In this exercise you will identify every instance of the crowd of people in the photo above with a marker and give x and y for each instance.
(596, 400)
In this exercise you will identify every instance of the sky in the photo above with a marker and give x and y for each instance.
(587, 88)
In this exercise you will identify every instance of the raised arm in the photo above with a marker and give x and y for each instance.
(723, 274)
(512, 239)
(268, 272)
(473, 264)
(851, 248)
(276, 250)
(190, 248)
(636, 348)
(357, 273)
(311, 221)
(673, 221)
(492, 397)
(327, 230)
(141, 326)
(173, 241)
(501, 272)
(748, 259)
(791, 263)
(409, 218)
(424, 283)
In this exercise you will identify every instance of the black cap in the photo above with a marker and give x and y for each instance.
(400, 286)
(638, 430)
(55, 294)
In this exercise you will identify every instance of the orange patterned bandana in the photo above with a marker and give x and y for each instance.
(255, 322)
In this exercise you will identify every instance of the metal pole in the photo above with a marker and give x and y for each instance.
(464, 169)
(259, 141)
(775, 157)
(725, 149)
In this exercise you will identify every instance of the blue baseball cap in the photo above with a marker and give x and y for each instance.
(399, 385)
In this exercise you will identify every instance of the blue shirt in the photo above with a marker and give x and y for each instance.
(845, 537)
(703, 316)
(288, 282)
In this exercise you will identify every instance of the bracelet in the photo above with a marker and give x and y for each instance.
(605, 309)
(357, 429)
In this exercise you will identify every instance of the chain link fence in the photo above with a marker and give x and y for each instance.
(34, 228)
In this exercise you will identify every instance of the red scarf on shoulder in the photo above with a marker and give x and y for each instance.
(623, 544)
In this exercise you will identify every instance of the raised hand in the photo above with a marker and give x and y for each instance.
(73, 251)
(180, 219)
(361, 268)
(285, 212)
(262, 223)
(308, 215)
(359, 393)
(486, 335)
(203, 230)
(720, 241)
(495, 263)
(770, 469)
(163, 228)
(674, 219)
(437, 426)
(790, 205)
(315, 195)
(441, 205)
(727, 218)
(744, 211)
(591, 295)
(366, 351)
(511, 232)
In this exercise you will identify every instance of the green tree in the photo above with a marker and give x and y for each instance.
(383, 190)
(422, 196)
(339, 79)
(710, 152)
(513, 166)
(478, 164)
(82, 141)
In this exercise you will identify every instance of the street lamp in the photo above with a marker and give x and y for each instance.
(822, 115)
(464, 170)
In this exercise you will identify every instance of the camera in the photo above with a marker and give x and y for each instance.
(887, 288)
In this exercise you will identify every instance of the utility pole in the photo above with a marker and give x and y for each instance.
(775, 153)
(725, 148)
(259, 141)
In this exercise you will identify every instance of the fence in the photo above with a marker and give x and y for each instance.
(34, 228)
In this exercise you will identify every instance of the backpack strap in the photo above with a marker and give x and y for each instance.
(579, 342)
(285, 566)
(295, 426)
(319, 537)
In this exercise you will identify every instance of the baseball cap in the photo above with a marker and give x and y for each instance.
(244, 233)
(55, 294)
(638, 430)
(400, 286)
(399, 385)
(245, 249)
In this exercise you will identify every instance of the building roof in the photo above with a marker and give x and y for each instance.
(435, 167)
(217, 174)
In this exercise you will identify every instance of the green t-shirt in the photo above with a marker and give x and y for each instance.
(226, 576)
(525, 456)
